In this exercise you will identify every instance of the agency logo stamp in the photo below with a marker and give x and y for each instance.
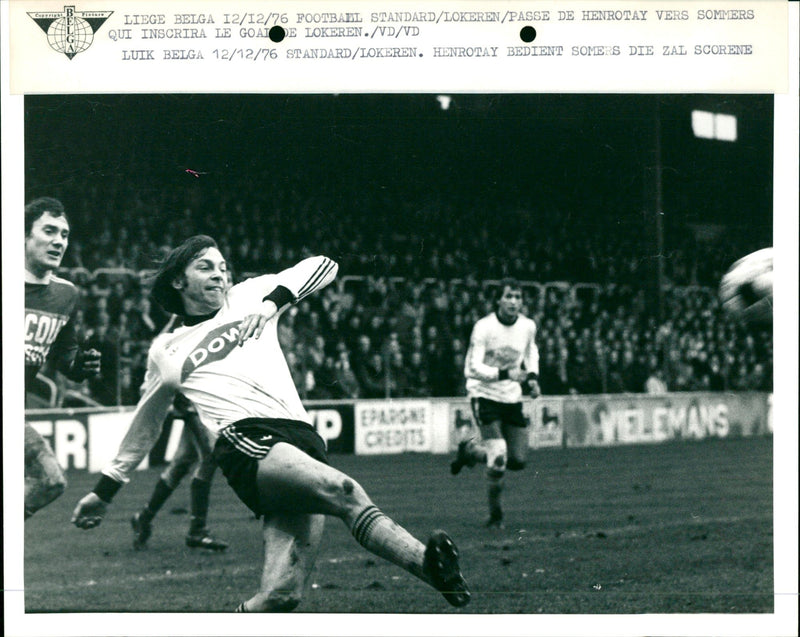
(70, 32)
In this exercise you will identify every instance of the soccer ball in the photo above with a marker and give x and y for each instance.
(746, 289)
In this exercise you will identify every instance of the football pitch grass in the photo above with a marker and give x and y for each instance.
(682, 527)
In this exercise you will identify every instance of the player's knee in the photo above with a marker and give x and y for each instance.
(51, 487)
(51, 492)
(496, 454)
(345, 494)
(176, 472)
(515, 464)
(56, 485)
(54, 482)
(495, 475)
(205, 469)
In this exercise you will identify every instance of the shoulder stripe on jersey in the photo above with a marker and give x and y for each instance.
(319, 275)
(58, 279)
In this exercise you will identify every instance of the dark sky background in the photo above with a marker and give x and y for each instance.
(582, 153)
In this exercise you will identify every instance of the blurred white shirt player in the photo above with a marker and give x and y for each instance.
(502, 359)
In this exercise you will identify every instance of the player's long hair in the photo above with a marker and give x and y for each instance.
(172, 267)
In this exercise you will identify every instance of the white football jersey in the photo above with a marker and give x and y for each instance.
(494, 346)
(224, 381)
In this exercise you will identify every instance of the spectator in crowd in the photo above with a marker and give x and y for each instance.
(142, 322)
(615, 383)
(398, 378)
(105, 339)
(441, 292)
(325, 381)
(417, 376)
(655, 383)
(583, 374)
(361, 358)
(346, 382)
(116, 300)
(374, 381)
(299, 372)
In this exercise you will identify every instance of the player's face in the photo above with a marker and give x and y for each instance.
(510, 303)
(204, 283)
(46, 244)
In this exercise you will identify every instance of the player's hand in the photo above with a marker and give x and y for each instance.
(253, 325)
(533, 389)
(518, 375)
(89, 512)
(87, 362)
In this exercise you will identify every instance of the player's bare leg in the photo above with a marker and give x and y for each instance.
(471, 449)
(291, 545)
(468, 454)
(44, 478)
(185, 456)
(467, 436)
(518, 445)
(289, 479)
(493, 451)
(199, 535)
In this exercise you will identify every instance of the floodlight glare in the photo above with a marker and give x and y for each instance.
(703, 124)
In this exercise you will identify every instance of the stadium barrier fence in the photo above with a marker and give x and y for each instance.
(87, 438)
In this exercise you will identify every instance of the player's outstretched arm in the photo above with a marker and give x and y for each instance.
(307, 276)
(142, 435)
(288, 286)
(90, 511)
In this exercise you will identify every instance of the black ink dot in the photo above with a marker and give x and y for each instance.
(527, 34)
(276, 34)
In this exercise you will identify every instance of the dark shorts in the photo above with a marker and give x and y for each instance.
(241, 445)
(487, 411)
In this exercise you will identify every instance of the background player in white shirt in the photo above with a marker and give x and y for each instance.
(228, 362)
(502, 359)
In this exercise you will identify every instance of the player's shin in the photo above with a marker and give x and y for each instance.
(200, 490)
(380, 535)
(494, 488)
(497, 451)
(160, 495)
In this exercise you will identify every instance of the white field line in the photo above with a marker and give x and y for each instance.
(509, 538)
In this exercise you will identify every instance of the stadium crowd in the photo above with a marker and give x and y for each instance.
(414, 277)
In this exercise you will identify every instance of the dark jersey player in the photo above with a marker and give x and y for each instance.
(227, 360)
(49, 334)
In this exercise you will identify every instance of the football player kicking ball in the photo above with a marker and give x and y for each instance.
(502, 359)
(227, 361)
